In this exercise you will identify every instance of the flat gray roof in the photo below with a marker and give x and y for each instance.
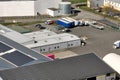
(78, 67)
(38, 57)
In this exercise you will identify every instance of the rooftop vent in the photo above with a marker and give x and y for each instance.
(45, 40)
(2, 31)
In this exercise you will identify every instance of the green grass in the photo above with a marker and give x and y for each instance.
(77, 1)
(21, 23)
(20, 29)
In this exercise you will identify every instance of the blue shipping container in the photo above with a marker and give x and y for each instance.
(72, 22)
(64, 23)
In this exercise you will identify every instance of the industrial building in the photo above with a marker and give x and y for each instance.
(95, 3)
(13, 54)
(53, 12)
(83, 67)
(17, 62)
(112, 60)
(115, 4)
(47, 42)
(26, 7)
(63, 9)
(42, 41)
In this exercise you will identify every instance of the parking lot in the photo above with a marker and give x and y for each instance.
(99, 41)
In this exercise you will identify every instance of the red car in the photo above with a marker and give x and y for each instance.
(49, 22)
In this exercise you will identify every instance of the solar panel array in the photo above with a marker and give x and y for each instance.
(15, 57)
(4, 47)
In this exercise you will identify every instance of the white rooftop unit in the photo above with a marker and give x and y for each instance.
(113, 60)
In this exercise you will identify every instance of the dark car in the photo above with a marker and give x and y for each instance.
(66, 30)
(59, 27)
(39, 26)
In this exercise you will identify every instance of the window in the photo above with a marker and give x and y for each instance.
(108, 74)
(40, 49)
(71, 44)
(68, 44)
(43, 49)
(57, 46)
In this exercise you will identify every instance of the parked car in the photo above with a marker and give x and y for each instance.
(40, 26)
(49, 22)
(59, 27)
(66, 30)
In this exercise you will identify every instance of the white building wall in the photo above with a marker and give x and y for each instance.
(74, 43)
(50, 12)
(95, 3)
(53, 13)
(102, 77)
(113, 60)
(112, 3)
(17, 8)
(112, 76)
(41, 6)
(57, 46)
(52, 47)
(57, 13)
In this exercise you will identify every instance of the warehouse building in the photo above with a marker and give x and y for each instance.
(42, 41)
(115, 4)
(26, 7)
(47, 42)
(83, 67)
(112, 60)
(13, 54)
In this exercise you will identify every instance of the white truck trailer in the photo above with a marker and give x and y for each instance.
(116, 44)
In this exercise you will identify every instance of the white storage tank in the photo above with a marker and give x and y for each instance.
(113, 60)
(65, 7)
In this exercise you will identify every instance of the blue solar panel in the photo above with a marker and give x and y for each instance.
(17, 58)
(4, 47)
